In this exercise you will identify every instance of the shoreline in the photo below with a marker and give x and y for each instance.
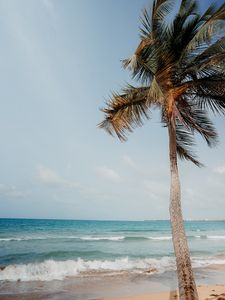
(126, 286)
(206, 292)
(210, 281)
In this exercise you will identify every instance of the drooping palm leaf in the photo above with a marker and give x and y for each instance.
(196, 119)
(207, 101)
(185, 141)
(126, 111)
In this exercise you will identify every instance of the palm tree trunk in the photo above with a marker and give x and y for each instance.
(186, 282)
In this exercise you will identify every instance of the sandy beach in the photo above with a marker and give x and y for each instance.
(208, 292)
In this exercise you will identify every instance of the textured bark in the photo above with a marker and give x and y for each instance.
(186, 282)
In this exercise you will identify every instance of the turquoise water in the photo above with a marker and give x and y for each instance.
(56, 249)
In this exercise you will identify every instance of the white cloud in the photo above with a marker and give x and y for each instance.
(50, 177)
(108, 174)
(219, 170)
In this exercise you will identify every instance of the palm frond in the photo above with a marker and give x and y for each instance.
(209, 12)
(127, 111)
(213, 24)
(196, 119)
(214, 49)
(143, 62)
(146, 28)
(160, 9)
(190, 6)
(210, 80)
(143, 66)
(210, 102)
(181, 30)
(207, 93)
(211, 64)
(163, 9)
(184, 143)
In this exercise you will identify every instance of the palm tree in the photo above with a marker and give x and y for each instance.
(181, 66)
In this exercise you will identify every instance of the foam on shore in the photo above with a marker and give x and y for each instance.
(58, 270)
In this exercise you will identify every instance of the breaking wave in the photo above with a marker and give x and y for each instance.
(58, 270)
(110, 238)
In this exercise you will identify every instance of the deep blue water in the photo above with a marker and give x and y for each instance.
(53, 249)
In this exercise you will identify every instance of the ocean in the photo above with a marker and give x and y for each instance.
(33, 250)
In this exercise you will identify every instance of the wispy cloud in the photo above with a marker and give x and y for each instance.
(108, 173)
(49, 177)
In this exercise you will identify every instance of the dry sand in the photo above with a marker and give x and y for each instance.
(208, 292)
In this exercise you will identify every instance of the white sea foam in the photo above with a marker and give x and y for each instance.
(160, 238)
(26, 238)
(58, 270)
(97, 238)
(207, 261)
(216, 237)
(11, 239)
(85, 238)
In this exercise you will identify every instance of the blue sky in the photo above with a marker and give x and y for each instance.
(59, 62)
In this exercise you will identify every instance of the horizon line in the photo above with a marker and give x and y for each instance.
(106, 220)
